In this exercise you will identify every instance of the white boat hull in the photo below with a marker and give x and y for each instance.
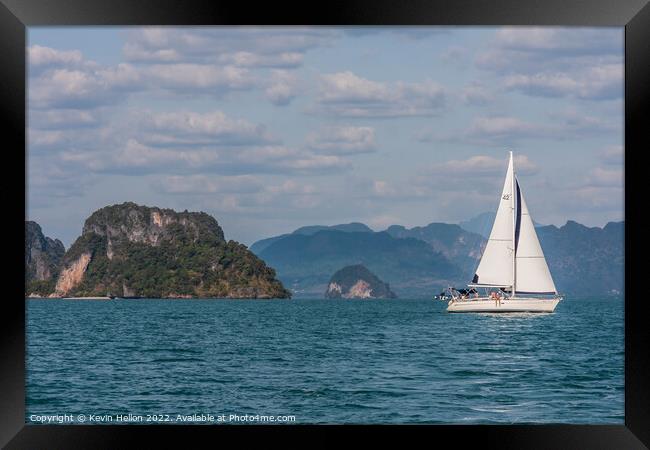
(504, 305)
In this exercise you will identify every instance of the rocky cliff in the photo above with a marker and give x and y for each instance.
(461, 247)
(43, 257)
(585, 260)
(357, 282)
(138, 251)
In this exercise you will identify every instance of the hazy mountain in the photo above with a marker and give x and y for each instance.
(305, 263)
(260, 245)
(462, 247)
(585, 260)
(582, 260)
(482, 224)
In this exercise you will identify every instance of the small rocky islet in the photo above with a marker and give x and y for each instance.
(356, 281)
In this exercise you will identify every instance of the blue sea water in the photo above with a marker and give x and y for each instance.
(326, 361)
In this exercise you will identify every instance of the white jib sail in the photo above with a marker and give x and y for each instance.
(495, 267)
(532, 274)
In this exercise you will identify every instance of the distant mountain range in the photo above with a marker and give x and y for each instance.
(305, 262)
(583, 259)
(260, 245)
(482, 224)
(420, 260)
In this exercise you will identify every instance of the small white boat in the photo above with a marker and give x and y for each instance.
(512, 272)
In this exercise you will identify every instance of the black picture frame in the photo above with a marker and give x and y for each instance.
(634, 15)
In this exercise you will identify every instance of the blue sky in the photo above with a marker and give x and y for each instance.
(272, 128)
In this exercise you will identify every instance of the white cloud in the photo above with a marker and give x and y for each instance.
(316, 163)
(560, 40)
(602, 82)
(382, 188)
(188, 128)
(75, 83)
(81, 86)
(348, 95)
(508, 130)
(343, 140)
(45, 138)
(558, 62)
(482, 165)
(130, 155)
(63, 118)
(291, 187)
(208, 184)
(501, 127)
(239, 46)
(212, 79)
(282, 88)
(613, 155)
(249, 59)
(39, 55)
(600, 177)
(476, 95)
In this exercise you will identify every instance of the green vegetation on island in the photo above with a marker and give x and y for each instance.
(130, 250)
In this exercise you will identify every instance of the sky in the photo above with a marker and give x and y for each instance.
(272, 128)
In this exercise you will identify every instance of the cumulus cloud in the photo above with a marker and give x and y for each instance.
(291, 187)
(502, 128)
(131, 155)
(560, 40)
(188, 128)
(208, 184)
(594, 83)
(600, 177)
(484, 166)
(613, 155)
(250, 59)
(185, 77)
(558, 62)
(282, 88)
(46, 138)
(346, 94)
(476, 95)
(39, 58)
(66, 80)
(63, 118)
(508, 130)
(343, 140)
(278, 47)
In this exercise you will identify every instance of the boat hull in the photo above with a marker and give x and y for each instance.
(507, 305)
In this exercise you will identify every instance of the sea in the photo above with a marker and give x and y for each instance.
(306, 361)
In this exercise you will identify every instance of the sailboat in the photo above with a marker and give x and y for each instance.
(512, 271)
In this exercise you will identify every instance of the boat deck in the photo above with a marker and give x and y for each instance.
(519, 304)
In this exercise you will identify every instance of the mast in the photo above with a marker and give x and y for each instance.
(514, 224)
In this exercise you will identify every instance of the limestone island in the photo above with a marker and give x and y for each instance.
(357, 282)
(129, 250)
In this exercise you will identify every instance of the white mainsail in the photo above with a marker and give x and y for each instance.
(513, 246)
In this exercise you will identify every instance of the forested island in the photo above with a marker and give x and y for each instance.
(129, 250)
